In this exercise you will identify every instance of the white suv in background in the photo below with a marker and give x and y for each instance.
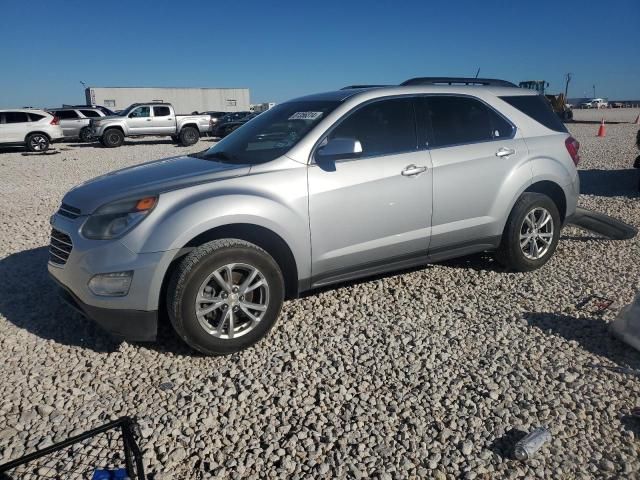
(35, 129)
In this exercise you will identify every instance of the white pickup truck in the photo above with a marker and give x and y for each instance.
(152, 119)
(595, 103)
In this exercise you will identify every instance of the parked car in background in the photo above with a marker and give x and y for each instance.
(214, 118)
(224, 128)
(145, 119)
(75, 121)
(595, 103)
(316, 191)
(233, 116)
(104, 110)
(35, 129)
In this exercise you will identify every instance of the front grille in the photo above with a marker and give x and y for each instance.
(69, 211)
(60, 247)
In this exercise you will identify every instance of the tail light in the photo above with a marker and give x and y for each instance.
(572, 147)
(55, 121)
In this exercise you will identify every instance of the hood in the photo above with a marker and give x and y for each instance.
(149, 179)
(108, 117)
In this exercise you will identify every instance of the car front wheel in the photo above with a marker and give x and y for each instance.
(531, 234)
(225, 296)
(112, 138)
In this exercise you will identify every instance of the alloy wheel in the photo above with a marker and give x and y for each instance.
(232, 300)
(38, 143)
(536, 233)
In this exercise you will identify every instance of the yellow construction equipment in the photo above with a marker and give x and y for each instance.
(558, 102)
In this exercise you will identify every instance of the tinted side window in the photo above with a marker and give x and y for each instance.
(66, 114)
(16, 117)
(141, 112)
(90, 113)
(161, 111)
(538, 108)
(456, 120)
(382, 127)
(500, 128)
(35, 117)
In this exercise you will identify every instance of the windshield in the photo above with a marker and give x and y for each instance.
(127, 110)
(270, 134)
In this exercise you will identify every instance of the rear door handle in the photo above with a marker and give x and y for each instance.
(505, 152)
(412, 170)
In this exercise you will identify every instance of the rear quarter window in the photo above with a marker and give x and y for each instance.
(538, 108)
(90, 113)
(66, 114)
(35, 117)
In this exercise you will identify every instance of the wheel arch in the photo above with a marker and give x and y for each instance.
(112, 127)
(261, 236)
(35, 133)
(192, 125)
(553, 191)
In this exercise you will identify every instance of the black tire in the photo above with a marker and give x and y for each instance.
(37, 142)
(85, 134)
(190, 276)
(112, 138)
(510, 253)
(189, 136)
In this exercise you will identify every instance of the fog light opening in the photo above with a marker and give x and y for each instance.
(114, 284)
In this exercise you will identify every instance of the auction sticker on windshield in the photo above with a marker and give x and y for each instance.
(305, 116)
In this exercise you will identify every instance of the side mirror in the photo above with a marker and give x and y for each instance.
(338, 148)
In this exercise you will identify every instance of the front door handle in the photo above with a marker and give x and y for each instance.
(505, 152)
(412, 170)
(148, 119)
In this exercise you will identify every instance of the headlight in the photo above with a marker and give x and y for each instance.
(115, 219)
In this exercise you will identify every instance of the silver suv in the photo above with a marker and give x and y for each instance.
(317, 190)
(75, 121)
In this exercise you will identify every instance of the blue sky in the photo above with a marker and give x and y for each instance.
(290, 49)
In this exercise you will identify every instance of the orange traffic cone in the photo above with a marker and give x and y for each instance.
(637, 122)
(602, 131)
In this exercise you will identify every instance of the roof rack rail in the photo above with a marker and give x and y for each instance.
(457, 81)
(350, 87)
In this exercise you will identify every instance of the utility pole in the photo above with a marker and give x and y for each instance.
(478, 72)
(567, 78)
(594, 91)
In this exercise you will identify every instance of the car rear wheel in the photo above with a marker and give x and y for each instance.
(189, 136)
(225, 296)
(37, 142)
(85, 134)
(112, 138)
(531, 234)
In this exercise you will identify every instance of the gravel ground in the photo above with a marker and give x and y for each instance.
(429, 373)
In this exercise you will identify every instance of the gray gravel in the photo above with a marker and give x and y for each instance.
(430, 373)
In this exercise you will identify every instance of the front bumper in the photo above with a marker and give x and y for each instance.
(132, 325)
(133, 316)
